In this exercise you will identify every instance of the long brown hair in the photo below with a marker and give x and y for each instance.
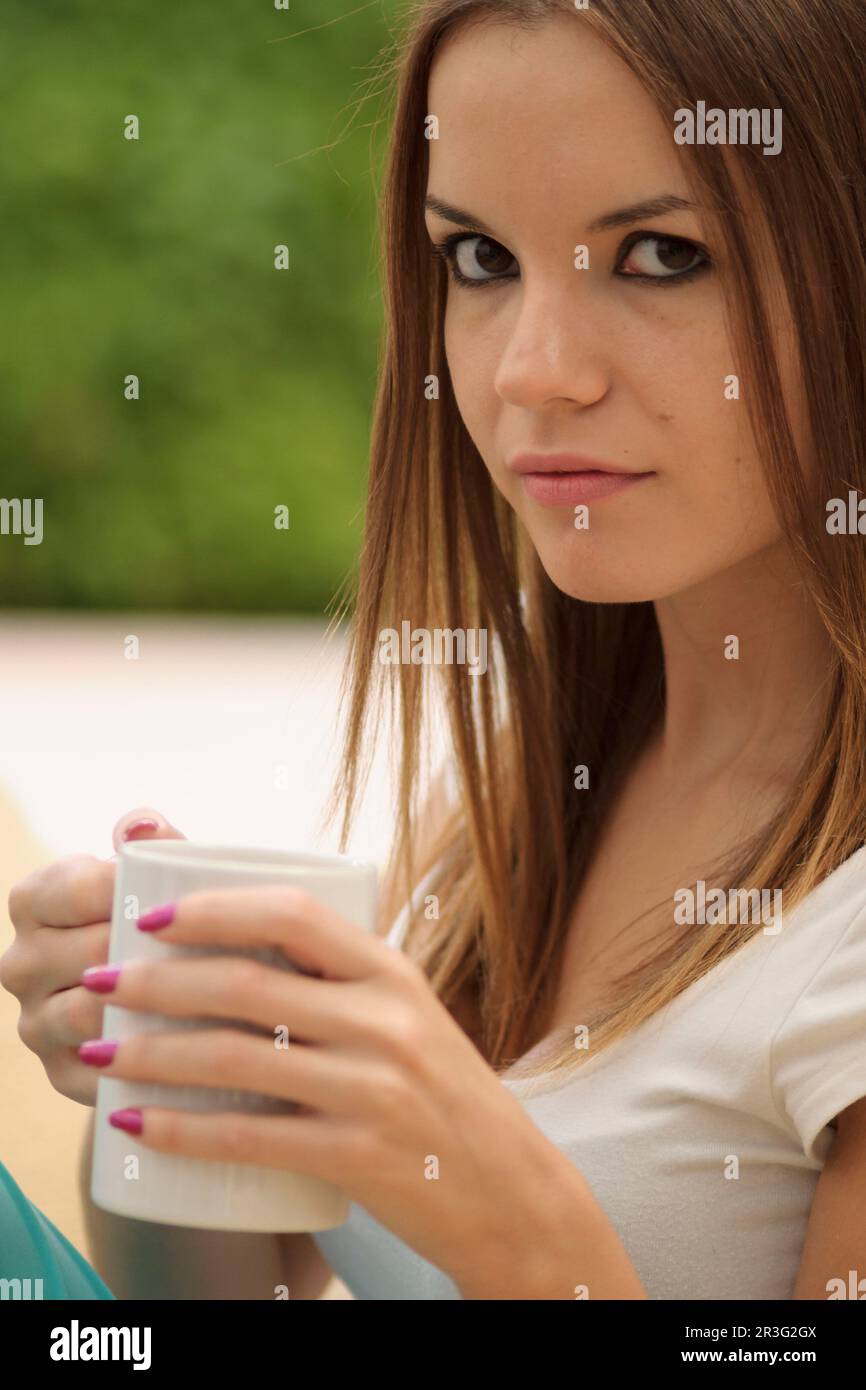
(582, 683)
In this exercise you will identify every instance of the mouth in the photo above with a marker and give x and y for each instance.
(571, 479)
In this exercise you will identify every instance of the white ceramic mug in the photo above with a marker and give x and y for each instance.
(185, 1191)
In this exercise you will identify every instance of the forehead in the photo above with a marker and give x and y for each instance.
(544, 117)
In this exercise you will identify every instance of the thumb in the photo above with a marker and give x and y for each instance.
(143, 824)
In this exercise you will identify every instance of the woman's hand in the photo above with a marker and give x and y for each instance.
(396, 1106)
(62, 919)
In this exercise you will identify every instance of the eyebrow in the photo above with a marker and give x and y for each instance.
(622, 217)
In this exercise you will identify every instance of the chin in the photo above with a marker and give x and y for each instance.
(597, 578)
(600, 588)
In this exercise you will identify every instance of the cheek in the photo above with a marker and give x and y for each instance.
(695, 404)
(677, 372)
(471, 368)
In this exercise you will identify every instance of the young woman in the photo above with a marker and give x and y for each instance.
(620, 416)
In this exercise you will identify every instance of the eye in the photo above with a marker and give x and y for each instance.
(649, 256)
(473, 260)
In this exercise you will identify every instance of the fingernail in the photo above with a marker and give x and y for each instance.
(136, 827)
(98, 1052)
(130, 1120)
(101, 978)
(157, 917)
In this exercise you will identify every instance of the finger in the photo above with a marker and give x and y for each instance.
(143, 823)
(66, 1019)
(73, 953)
(225, 1058)
(315, 1144)
(47, 959)
(285, 918)
(70, 1077)
(233, 987)
(71, 892)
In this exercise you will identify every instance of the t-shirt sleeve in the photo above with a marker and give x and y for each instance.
(818, 1055)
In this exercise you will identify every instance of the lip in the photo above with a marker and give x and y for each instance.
(565, 463)
(567, 480)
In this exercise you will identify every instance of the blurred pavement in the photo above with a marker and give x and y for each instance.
(226, 725)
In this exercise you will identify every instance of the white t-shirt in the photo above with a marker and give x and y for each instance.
(702, 1133)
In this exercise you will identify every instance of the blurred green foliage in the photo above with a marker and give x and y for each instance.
(156, 257)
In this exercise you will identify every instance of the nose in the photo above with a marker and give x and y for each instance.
(554, 350)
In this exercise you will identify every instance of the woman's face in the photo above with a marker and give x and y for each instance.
(542, 135)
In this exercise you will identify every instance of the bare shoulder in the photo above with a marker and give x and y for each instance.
(836, 1235)
(851, 1124)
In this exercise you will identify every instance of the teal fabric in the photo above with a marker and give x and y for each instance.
(31, 1247)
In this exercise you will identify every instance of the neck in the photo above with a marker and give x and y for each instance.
(752, 704)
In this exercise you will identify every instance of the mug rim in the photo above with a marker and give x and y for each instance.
(247, 858)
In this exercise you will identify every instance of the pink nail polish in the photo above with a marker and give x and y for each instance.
(101, 978)
(157, 917)
(130, 1120)
(135, 827)
(98, 1052)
